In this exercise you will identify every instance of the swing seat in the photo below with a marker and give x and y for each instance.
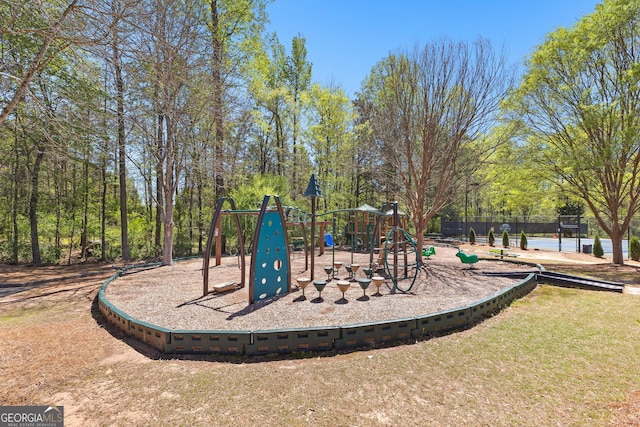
(328, 240)
(225, 287)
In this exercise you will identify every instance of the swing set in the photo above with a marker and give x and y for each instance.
(270, 274)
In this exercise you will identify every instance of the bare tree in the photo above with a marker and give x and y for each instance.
(171, 53)
(116, 62)
(433, 108)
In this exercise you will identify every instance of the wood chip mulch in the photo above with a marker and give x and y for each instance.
(172, 296)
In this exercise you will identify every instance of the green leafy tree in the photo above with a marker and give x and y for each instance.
(491, 238)
(570, 207)
(250, 195)
(523, 240)
(512, 180)
(331, 142)
(174, 43)
(472, 236)
(580, 101)
(268, 87)
(46, 103)
(277, 83)
(597, 247)
(299, 80)
(634, 248)
(505, 238)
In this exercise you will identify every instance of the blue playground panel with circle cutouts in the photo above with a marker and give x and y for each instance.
(272, 263)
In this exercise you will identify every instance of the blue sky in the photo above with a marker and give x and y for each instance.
(346, 38)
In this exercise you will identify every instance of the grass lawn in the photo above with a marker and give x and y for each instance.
(556, 357)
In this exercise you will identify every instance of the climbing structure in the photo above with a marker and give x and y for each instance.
(270, 273)
(401, 258)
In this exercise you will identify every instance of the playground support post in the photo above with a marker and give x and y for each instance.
(215, 227)
(313, 191)
(313, 233)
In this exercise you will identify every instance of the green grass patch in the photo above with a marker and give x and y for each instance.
(557, 357)
(36, 314)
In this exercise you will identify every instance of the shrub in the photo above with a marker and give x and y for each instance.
(597, 248)
(491, 238)
(51, 255)
(472, 236)
(634, 248)
(523, 240)
(505, 238)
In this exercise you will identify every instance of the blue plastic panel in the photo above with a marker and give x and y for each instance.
(272, 263)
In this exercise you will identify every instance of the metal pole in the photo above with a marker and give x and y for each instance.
(579, 235)
(333, 231)
(396, 221)
(313, 234)
(559, 236)
(466, 218)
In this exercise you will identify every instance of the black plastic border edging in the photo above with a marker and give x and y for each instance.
(317, 339)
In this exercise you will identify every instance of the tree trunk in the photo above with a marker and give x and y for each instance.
(74, 195)
(84, 239)
(103, 206)
(616, 244)
(279, 145)
(199, 189)
(59, 179)
(190, 222)
(167, 248)
(14, 202)
(33, 209)
(159, 190)
(295, 184)
(124, 233)
(420, 224)
(218, 115)
(169, 191)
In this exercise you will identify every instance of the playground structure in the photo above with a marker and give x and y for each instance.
(366, 226)
(272, 251)
(270, 274)
(400, 255)
(215, 229)
(368, 231)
